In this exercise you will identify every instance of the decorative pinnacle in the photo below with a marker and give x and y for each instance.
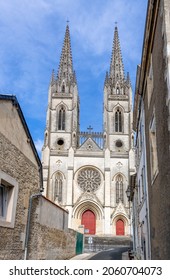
(128, 79)
(106, 78)
(52, 77)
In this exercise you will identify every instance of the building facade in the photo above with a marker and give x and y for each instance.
(20, 169)
(140, 217)
(28, 225)
(87, 173)
(154, 105)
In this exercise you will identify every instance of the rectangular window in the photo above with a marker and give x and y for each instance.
(150, 82)
(8, 200)
(142, 183)
(153, 148)
(3, 201)
(139, 192)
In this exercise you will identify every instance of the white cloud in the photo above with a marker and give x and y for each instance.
(31, 36)
(39, 144)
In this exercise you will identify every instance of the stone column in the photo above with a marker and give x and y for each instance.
(69, 194)
(107, 192)
(107, 200)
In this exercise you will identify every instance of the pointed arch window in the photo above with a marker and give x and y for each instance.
(58, 187)
(119, 188)
(61, 119)
(63, 88)
(118, 121)
(117, 90)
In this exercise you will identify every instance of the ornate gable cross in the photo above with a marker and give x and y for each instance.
(90, 129)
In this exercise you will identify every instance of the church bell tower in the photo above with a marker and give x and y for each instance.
(62, 123)
(117, 103)
(87, 172)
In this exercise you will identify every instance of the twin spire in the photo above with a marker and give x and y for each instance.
(116, 77)
(116, 65)
(67, 75)
(65, 70)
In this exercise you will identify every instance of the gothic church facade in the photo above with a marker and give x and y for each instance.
(87, 173)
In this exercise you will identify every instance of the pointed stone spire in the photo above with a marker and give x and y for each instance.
(116, 67)
(65, 71)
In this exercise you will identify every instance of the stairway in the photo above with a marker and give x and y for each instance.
(94, 243)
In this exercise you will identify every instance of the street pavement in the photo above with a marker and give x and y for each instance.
(111, 254)
(117, 253)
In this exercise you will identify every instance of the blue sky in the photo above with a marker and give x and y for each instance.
(31, 38)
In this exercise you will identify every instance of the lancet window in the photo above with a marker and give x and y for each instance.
(119, 188)
(118, 121)
(61, 119)
(58, 187)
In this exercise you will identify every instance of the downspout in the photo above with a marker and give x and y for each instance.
(29, 213)
(28, 223)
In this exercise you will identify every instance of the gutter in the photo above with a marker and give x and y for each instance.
(30, 210)
(28, 223)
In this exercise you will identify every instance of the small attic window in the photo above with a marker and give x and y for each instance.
(63, 88)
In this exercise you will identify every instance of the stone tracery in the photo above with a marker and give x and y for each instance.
(89, 179)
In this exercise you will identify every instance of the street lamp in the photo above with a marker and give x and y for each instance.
(128, 193)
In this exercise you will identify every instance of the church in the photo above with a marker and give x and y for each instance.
(87, 173)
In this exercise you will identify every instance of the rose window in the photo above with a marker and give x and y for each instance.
(89, 179)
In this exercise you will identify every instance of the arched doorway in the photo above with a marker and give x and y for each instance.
(89, 222)
(120, 227)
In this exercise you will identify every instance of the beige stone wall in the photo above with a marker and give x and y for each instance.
(15, 164)
(155, 105)
(13, 130)
(47, 241)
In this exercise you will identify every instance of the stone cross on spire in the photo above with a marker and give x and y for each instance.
(116, 65)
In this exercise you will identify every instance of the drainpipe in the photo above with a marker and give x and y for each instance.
(28, 223)
(29, 212)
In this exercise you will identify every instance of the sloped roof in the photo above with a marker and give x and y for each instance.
(13, 99)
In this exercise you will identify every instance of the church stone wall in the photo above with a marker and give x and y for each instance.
(70, 158)
(15, 164)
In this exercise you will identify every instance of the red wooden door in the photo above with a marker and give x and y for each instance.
(89, 222)
(120, 227)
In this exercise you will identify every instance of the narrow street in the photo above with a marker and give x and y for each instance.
(111, 254)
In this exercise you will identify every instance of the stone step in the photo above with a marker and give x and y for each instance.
(99, 243)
